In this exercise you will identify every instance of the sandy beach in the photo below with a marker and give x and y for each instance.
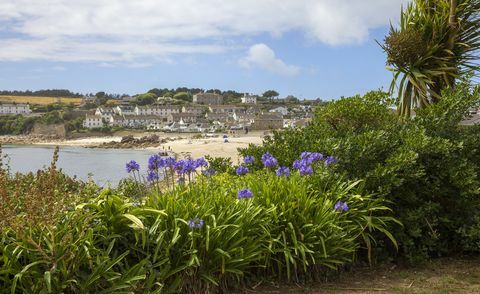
(181, 144)
(215, 147)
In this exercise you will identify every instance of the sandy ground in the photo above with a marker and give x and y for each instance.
(215, 147)
(182, 144)
(81, 142)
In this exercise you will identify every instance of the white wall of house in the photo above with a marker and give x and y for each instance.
(248, 99)
(8, 108)
(93, 121)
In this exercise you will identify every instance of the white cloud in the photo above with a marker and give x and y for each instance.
(116, 30)
(262, 56)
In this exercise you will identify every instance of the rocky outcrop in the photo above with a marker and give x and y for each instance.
(56, 131)
(132, 142)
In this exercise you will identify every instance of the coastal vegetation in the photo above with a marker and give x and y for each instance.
(198, 232)
(436, 44)
(359, 184)
(426, 166)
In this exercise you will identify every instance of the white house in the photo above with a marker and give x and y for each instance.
(249, 99)
(105, 112)
(138, 121)
(197, 109)
(159, 110)
(282, 110)
(124, 110)
(13, 108)
(226, 109)
(93, 121)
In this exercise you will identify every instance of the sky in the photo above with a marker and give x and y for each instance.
(307, 48)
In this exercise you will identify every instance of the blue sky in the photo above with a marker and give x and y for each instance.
(306, 48)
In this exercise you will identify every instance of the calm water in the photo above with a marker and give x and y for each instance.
(104, 166)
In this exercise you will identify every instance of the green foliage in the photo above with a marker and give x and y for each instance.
(436, 44)
(270, 94)
(113, 243)
(220, 164)
(146, 98)
(183, 96)
(427, 166)
(15, 124)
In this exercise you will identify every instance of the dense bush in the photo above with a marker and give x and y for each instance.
(207, 235)
(428, 166)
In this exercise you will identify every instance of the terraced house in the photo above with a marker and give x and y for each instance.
(159, 110)
(14, 108)
(93, 121)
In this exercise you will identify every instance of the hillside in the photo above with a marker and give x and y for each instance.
(39, 100)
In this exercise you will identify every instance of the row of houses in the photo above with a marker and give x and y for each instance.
(14, 108)
(219, 118)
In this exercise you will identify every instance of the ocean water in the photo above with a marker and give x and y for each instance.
(104, 166)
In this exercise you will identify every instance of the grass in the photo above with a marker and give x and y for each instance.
(39, 100)
(443, 275)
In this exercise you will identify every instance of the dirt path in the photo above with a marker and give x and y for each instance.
(445, 275)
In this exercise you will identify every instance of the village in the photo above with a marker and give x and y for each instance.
(207, 112)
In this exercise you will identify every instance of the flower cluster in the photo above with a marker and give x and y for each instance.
(283, 171)
(242, 170)
(330, 160)
(196, 223)
(341, 206)
(132, 165)
(244, 194)
(304, 164)
(248, 159)
(156, 162)
(268, 160)
(188, 166)
(152, 176)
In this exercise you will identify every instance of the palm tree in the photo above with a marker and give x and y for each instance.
(437, 43)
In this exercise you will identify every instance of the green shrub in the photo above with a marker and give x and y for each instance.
(427, 166)
(196, 237)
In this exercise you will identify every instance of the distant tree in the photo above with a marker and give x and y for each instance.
(183, 96)
(169, 94)
(270, 94)
(156, 91)
(146, 98)
(291, 99)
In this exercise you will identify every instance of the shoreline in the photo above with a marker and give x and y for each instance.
(181, 144)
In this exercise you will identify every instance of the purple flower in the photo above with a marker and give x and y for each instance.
(283, 171)
(341, 206)
(245, 193)
(330, 160)
(225, 136)
(201, 162)
(297, 164)
(132, 166)
(311, 157)
(209, 172)
(170, 162)
(306, 170)
(196, 223)
(242, 170)
(155, 162)
(315, 156)
(225, 141)
(186, 166)
(268, 160)
(152, 176)
(249, 159)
